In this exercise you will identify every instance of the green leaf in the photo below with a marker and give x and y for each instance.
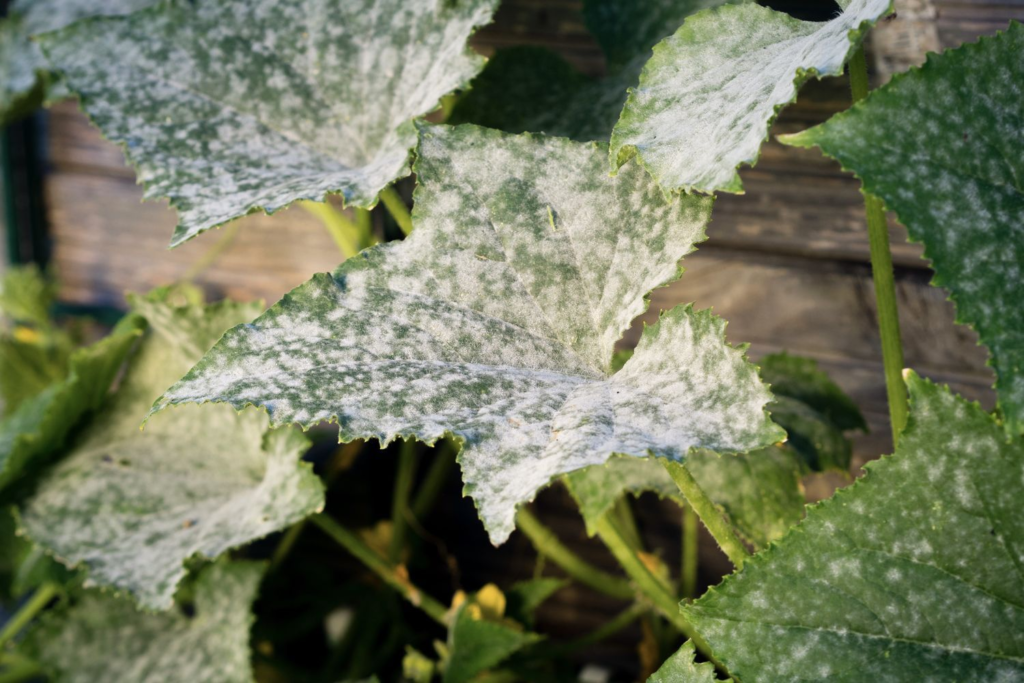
(533, 89)
(104, 638)
(681, 668)
(133, 506)
(526, 596)
(912, 573)
(228, 107)
(34, 433)
(800, 378)
(942, 146)
(495, 322)
(26, 296)
(27, 369)
(24, 71)
(710, 92)
(477, 644)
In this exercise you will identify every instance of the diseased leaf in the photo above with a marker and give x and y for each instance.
(681, 668)
(227, 107)
(912, 573)
(33, 435)
(710, 92)
(104, 638)
(495, 322)
(759, 492)
(533, 89)
(24, 71)
(943, 146)
(480, 639)
(133, 506)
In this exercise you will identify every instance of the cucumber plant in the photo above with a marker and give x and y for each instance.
(546, 210)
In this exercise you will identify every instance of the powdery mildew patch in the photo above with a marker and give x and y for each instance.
(943, 146)
(916, 572)
(133, 506)
(495, 321)
(103, 638)
(231, 106)
(709, 93)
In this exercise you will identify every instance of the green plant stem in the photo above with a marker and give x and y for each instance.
(627, 522)
(648, 583)
(400, 499)
(39, 600)
(22, 671)
(709, 513)
(284, 547)
(606, 630)
(882, 272)
(353, 544)
(397, 208)
(434, 481)
(691, 554)
(343, 231)
(211, 255)
(548, 545)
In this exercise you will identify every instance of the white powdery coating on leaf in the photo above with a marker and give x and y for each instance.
(708, 94)
(943, 146)
(230, 106)
(134, 505)
(496, 320)
(103, 638)
(916, 572)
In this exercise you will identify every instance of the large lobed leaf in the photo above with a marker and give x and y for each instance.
(912, 573)
(24, 71)
(104, 638)
(710, 92)
(495, 322)
(533, 89)
(232, 106)
(133, 506)
(943, 146)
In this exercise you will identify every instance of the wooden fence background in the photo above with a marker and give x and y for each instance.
(786, 263)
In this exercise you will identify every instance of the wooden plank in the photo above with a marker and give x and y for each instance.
(106, 242)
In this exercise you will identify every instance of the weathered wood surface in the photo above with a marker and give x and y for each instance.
(786, 263)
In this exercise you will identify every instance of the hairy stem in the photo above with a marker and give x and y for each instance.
(39, 600)
(691, 557)
(627, 522)
(648, 583)
(397, 208)
(548, 545)
(881, 270)
(709, 514)
(375, 563)
(400, 499)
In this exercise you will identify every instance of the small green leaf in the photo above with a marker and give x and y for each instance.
(133, 506)
(912, 573)
(105, 638)
(681, 668)
(800, 378)
(488, 325)
(34, 433)
(228, 107)
(26, 296)
(710, 92)
(526, 596)
(478, 642)
(942, 146)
